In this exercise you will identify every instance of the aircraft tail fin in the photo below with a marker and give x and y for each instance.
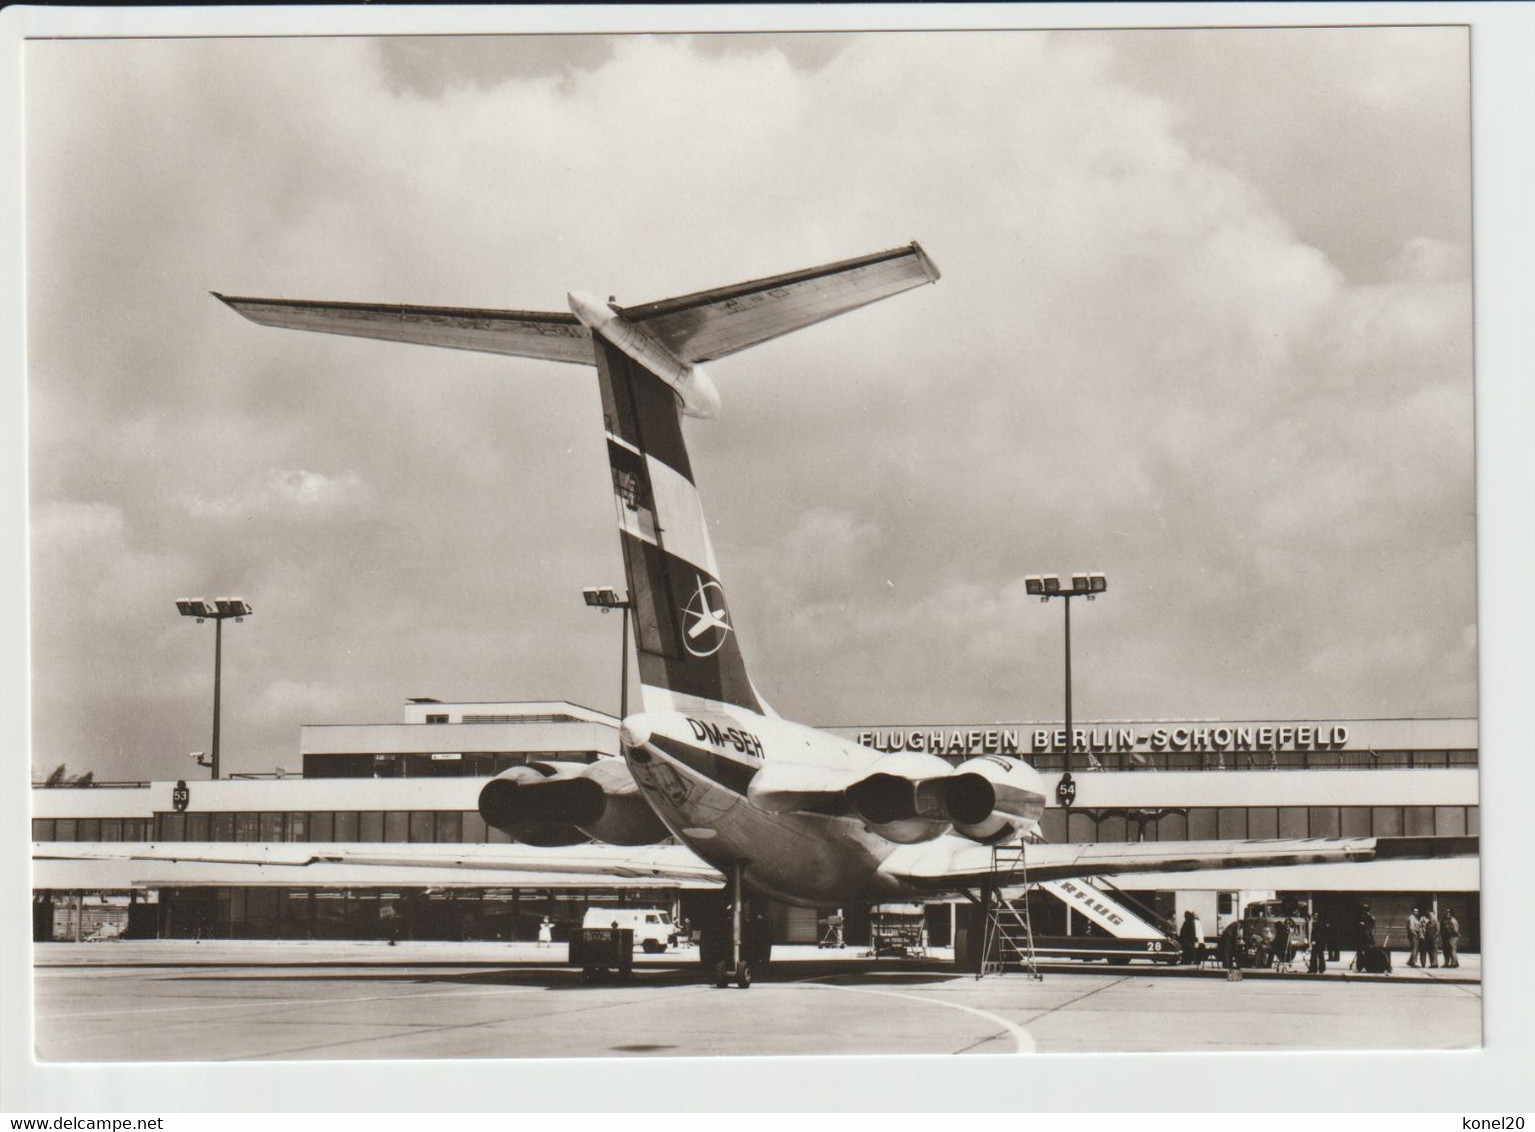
(689, 655)
(685, 639)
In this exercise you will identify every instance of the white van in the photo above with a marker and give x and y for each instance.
(653, 928)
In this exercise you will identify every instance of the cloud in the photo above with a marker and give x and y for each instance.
(310, 701)
(1424, 259)
(429, 66)
(85, 555)
(1318, 119)
(826, 548)
(299, 495)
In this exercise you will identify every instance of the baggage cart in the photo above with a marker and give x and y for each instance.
(898, 929)
(600, 950)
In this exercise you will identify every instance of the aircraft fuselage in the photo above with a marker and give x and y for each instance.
(696, 770)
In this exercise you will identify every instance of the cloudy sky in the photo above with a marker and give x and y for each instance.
(1204, 324)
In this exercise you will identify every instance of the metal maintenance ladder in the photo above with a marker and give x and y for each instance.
(1007, 937)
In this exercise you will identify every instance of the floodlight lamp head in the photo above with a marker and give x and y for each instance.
(602, 597)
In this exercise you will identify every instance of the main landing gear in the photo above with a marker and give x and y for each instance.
(736, 943)
(735, 966)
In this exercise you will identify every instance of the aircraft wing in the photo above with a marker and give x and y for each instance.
(550, 336)
(716, 323)
(943, 866)
(514, 865)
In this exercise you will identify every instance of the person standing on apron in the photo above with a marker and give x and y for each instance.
(1449, 938)
(1430, 941)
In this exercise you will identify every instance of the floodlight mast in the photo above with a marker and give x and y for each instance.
(218, 612)
(1046, 587)
(606, 598)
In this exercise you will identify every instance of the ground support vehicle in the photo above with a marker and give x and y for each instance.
(652, 927)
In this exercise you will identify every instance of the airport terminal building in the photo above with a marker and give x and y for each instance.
(404, 784)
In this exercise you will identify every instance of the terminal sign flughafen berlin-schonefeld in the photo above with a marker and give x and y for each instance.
(1046, 740)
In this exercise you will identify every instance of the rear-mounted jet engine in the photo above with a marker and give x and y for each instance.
(558, 803)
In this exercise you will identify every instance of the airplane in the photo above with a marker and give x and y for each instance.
(773, 807)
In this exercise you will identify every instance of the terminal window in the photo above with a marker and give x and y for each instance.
(1292, 821)
(1081, 824)
(1354, 821)
(1203, 825)
(1324, 821)
(1232, 823)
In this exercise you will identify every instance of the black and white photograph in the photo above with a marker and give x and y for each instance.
(670, 544)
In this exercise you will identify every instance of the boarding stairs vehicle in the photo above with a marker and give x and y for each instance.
(1120, 928)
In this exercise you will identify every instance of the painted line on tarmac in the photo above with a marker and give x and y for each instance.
(1080, 997)
(1023, 1041)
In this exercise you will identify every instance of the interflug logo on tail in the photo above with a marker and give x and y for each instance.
(705, 627)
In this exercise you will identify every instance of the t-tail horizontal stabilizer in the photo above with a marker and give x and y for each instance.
(669, 337)
(554, 336)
